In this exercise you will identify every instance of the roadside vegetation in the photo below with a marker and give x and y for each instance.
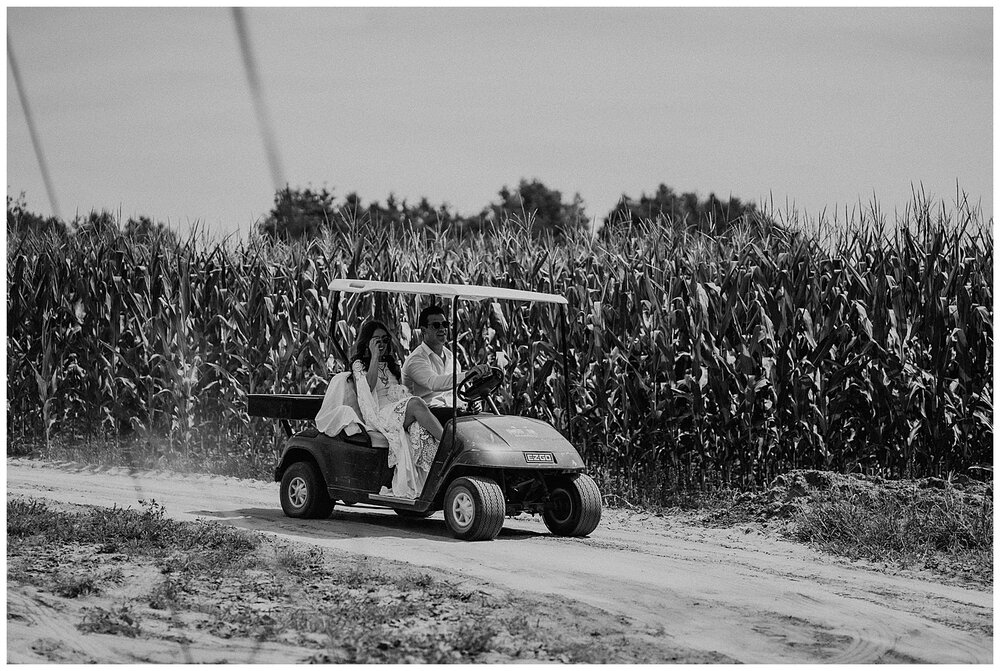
(944, 526)
(206, 582)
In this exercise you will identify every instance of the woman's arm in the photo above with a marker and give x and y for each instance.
(366, 399)
(372, 376)
(375, 350)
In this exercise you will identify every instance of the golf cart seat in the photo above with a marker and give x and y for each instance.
(340, 412)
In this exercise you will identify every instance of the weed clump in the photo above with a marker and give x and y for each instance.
(923, 528)
(145, 532)
(120, 621)
(932, 523)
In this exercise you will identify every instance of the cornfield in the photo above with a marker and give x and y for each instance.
(694, 360)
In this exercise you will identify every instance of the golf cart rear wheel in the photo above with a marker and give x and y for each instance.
(574, 506)
(303, 492)
(474, 508)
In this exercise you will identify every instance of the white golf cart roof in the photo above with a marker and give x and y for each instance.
(466, 291)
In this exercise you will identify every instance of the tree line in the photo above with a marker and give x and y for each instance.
(302, 213)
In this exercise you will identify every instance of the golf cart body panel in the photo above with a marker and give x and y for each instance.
(506, 441)
(350, 463)
(355, 467)
(347, 452)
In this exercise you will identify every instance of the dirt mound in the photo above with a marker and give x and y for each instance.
(795, 491)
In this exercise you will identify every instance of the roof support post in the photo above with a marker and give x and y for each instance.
(565, 358)
(454, 368)
(334, 314)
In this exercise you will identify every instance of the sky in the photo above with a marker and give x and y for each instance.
(147, 111)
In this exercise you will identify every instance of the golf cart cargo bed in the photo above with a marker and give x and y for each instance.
(284, 406)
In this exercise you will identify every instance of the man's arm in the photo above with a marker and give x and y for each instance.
(419, 370)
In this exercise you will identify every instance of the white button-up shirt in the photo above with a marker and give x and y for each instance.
(428, 376)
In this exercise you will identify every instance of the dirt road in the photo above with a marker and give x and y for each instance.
(740, 593)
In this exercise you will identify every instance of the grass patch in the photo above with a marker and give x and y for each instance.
(945, 526)
(939, 530)
(134, 532)
(247, 586)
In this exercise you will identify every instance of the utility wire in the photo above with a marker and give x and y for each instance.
(270, 146)
(36, 142)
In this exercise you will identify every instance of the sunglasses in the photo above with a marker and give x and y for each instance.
(434, 326)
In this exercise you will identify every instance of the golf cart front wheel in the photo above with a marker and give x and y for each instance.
(574, 507)
(474, 508)
(303, 492)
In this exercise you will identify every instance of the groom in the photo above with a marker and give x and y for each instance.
(427, 370)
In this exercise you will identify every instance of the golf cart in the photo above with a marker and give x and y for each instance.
(488, 465)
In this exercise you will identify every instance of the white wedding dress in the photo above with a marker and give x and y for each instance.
(411, 451)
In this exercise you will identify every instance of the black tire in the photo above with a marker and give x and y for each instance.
(474, 508)
(413, 514)
(574, 506)
(303, 492)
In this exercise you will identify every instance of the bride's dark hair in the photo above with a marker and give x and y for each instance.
(363, 354)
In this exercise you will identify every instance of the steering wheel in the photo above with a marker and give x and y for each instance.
(475, 387)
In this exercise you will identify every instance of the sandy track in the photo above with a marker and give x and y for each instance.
(736, 593)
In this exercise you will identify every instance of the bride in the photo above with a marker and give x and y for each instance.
(387, 406)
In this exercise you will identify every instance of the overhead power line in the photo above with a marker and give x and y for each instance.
(266, 130)
(36, 142)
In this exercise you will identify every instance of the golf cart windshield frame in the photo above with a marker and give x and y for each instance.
(455, 292)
